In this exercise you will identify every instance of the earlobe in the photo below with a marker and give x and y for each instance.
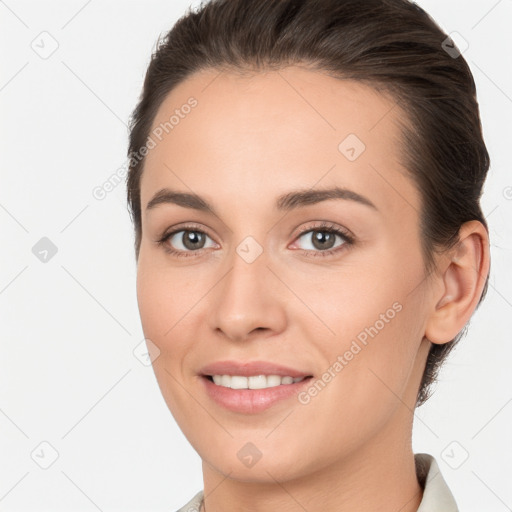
(462, 280)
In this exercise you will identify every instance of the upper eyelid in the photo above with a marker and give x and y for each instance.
(324, 226)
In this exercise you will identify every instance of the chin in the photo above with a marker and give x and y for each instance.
(265, 467)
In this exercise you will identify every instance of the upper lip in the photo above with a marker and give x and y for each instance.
(251, 368)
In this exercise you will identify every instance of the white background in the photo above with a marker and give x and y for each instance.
(69, 326)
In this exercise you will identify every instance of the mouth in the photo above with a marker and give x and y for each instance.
(252, 387)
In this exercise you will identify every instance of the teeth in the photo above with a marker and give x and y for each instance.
(253, 382)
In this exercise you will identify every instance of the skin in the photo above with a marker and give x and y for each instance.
(249, 140)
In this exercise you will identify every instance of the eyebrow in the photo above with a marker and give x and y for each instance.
(286, 202)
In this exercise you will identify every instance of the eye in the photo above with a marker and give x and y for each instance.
(184, 242)
(322, 240)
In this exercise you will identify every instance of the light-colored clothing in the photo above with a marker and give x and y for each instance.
(437, 496)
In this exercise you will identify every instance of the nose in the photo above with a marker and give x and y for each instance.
(249, 301)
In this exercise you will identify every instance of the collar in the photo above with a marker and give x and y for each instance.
(436, 493)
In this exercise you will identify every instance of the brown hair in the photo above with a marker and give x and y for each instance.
(391, 45)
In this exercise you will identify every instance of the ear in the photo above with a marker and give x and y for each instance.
(461, 282)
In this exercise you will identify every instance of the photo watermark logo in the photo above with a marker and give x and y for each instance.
(101, 191)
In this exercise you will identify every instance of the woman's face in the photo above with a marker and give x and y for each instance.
(265, 278)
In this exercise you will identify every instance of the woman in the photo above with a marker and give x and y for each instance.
(304, 184)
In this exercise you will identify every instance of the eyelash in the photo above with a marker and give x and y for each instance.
(324, 227)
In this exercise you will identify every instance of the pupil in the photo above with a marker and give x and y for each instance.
(192, 239)
(321, 240)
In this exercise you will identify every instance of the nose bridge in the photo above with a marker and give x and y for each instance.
(246, 298)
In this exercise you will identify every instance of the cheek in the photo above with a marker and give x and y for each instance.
(169, 300)
(355, 303)
(379, 361)
(164, 295)
(156, 322)
(375, 326)
(152, 300)
(161, 307)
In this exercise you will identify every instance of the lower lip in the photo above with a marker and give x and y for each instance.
(251, 401)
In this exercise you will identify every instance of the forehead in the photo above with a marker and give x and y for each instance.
(276, 130)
